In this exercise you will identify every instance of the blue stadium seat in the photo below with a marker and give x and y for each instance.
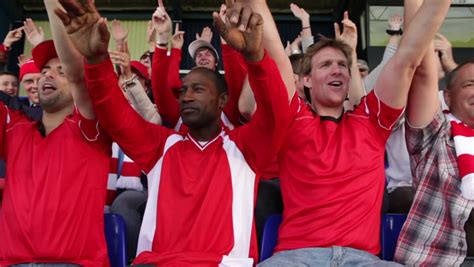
(116, 240)
(269, 236)
(391, 226)
(390, 229)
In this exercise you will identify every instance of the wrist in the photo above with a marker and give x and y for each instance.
(96, 59)
(254, 56)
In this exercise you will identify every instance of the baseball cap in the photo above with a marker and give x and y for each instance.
(28, 67)
(140, 68)
(195, 45)
(44, 52)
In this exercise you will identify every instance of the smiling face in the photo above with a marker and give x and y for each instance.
(30, 83)
(328, 79)
(201, 101)
(9, 84)
(204, 57)
(53, 87)
(460, 94)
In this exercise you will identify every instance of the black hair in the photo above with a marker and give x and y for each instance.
(453, 74)
(215, 76)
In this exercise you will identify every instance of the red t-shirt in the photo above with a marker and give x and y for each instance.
(332, 177)
(55, 190)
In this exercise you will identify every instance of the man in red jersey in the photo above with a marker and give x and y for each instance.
(332, 163)
(201, 184)
(57, 169)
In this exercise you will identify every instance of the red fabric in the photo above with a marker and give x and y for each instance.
(44, 52)
(332, 177)
(195, 197)
(28, 67)
(166, 81)
(55, 191)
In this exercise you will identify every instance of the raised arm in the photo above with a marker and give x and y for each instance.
(34, 35)
(349, 36)
(273, 45)
(423, 100)
(393, 89)
(141, 140)
(260, 138)
(71, 60)
(307, 38)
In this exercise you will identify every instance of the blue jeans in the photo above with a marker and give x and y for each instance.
(322, 257)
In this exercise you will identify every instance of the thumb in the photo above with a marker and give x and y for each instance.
(40, 30)
(219, 24)
(103, 31)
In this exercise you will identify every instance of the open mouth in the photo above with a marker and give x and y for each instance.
(48, 87)
(335, 83)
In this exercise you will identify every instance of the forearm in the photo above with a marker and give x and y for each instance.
(70, 58)
(356, 89)
(369, 80)
(140, 140)
(272, 43)
(139, 99)
(162, 93)
(428, 20)
(247, 105)
(235, 75)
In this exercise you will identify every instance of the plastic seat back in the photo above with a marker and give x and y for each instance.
(115, 234)
(391, 226)
(269, 236)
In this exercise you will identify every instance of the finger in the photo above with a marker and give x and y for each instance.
(229, 3)
(219, 24)
(244, 18)
(337, 30)
(125, 47)
(160, 4)
(72, 7)
(234, 13)
(346, 15)
(40, 29)
(176, 28)
(197, 36)
(254, 22)
(103, 31)
(65, 19)
(89, 6)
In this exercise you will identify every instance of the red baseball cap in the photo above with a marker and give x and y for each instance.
(44, 52)
(28, 67)
(140, 68)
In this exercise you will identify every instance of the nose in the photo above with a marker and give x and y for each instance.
(336, 69)
(187, 95)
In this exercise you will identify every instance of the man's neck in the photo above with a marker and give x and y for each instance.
(51, 120)
(334, 112)
(206, 133)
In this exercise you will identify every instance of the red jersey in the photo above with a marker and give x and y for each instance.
(201, 195)
(54, 196)
(332, 177)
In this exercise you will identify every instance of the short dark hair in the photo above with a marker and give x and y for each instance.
(215, 76)
(5, 72)
(206, 48)
(323, 43)
(451, 77)
(295, 60)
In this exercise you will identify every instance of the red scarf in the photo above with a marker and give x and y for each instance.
(463, 137)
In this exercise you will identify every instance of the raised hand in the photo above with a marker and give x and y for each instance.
(243, 29)
(395, 22)
(21, 60)
(13, 36)
(162, 23)
(86, 28)
(206, 35)
(177, 40)
(349, 33)
(122, 58)
(35, 35)
(150, 33)
(298, 12)
(119, 33)
(445, 50)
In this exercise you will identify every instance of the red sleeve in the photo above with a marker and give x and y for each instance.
(140, 140)
(165, 77)
(3, 127)
(235, 73)
(3, 55)
(262, 137)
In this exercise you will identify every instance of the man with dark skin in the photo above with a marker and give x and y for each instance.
(204, 181)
